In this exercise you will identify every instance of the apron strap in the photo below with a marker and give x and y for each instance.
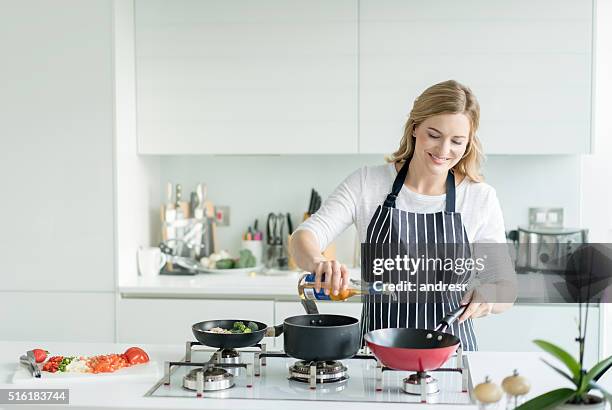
(398, 183)
(450, 192)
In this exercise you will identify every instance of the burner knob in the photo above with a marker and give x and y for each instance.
(487, 392)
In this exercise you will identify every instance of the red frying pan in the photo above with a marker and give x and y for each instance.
(415, 349)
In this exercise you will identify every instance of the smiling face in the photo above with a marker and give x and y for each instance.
(441, 141)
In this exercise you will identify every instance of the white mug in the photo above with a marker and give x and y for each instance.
(150, 261)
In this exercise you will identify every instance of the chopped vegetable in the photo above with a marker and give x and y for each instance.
(96, 364)
(253, 326)
(107, 363)
(135, 355)
(237, 327)
(246, 260)
(40, 355)
(225, 264)
(52, 364)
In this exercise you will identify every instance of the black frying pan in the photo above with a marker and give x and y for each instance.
(306, 337)
(231, 340)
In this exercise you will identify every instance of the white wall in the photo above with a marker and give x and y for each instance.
(256, 185)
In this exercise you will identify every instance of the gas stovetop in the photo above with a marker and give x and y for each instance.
(254, 373)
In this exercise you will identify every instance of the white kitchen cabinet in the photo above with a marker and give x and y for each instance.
(169, 321)
(515, 329)
(57, 316)
(56, 122)
(240, 77)
(528, 63)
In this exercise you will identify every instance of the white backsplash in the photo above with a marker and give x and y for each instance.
(253, 186)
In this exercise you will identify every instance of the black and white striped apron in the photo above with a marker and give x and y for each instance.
(414, 234)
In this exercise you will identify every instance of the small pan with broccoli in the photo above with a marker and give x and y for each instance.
(230, 334)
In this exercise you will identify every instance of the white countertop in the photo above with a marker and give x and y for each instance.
(219, 285)
(532, 287)
(113, 394)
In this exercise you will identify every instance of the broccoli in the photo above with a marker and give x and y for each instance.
(253, 326)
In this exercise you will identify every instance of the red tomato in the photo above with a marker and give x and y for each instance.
(52, 364)
(40, 355)
(106, 363)
(135, 355)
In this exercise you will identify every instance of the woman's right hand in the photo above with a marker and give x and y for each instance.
(330, 275)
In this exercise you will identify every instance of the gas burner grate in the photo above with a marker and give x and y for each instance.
(318, 372)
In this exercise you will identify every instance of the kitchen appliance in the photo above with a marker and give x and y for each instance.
(545, 249)
(273, 375)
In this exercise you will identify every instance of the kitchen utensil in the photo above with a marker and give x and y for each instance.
(317, 203)
(146, 371)
(276, 255)
(169, 210)
(289, 224)
(211, 226)
(415, 349)
(180, 265)
(235, 271)
(311, 202)
(317, 337)
(178, 196)
(150, 261)
(202, 333)
(193, 203)
(545, 249)
(32, 359)
(198, 212)
(30, 365)
(306, 337)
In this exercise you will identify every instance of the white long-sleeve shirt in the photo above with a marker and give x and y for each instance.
(355, 200)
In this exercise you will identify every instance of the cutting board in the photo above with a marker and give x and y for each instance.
(140, 371)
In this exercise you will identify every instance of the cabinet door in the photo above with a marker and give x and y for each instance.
(515, 329)
(58, 316)
(170, 320)
(56, 160)
(239, 77)
(531, 71)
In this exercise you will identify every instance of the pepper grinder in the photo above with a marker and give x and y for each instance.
(487, 394)
(516, 387)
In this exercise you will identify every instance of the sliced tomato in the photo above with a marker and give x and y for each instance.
(52, 364)
(135, 355)
(40, 355)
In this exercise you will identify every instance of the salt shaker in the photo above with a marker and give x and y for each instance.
(487, 394)
(516, 387)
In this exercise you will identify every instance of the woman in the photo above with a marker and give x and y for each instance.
(432, 182)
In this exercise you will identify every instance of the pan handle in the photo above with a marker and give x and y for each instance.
(275, 331)
(450, 318)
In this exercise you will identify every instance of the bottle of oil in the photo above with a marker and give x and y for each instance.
(306, 290)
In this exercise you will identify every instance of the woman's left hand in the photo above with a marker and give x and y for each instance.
(477, 301)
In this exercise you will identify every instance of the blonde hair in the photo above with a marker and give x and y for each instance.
(448, 97)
